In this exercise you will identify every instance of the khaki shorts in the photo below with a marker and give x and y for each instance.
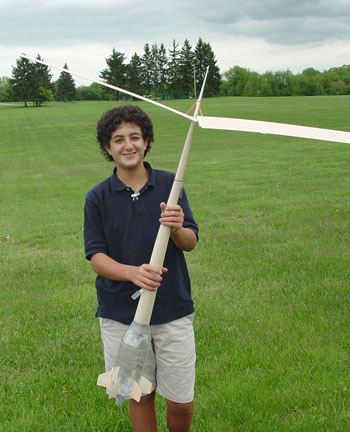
(170, 365)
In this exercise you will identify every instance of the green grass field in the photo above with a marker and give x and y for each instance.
(270, 275)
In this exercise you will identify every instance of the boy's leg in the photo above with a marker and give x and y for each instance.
(174, 348)
(143, 414)
(179, 416)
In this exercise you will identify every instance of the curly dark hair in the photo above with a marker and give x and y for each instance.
(114, 117)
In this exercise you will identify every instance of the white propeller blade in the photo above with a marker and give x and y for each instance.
(273, 128)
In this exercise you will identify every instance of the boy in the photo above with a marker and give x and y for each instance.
(121, 221)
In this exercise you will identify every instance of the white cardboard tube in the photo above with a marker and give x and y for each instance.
(145, 306)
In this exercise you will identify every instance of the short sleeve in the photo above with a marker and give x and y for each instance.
(189, 221)
(94, 236)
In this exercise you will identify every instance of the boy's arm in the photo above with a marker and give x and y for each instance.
(184, 238)
(173, 216)
(145, 276)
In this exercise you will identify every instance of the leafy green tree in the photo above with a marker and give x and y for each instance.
(92, 92)
(284, 82)
(253, 85)
(186, 69)
(6, 94)
(337, 80)
(309, 83)
(339, 87)
(65, 86)
(239, 81)
(235, 80)
(115, 73)
(268, 84)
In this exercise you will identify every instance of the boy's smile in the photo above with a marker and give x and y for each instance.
(127, 146)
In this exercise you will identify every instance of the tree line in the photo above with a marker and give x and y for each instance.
(162, 73)
(238, 81)
(157, 73)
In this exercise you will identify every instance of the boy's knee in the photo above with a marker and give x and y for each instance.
(147, 399)
(180, 409)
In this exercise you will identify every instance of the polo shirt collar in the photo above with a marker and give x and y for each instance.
(118, 185)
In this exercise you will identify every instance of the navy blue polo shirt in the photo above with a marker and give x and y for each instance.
(125, 230)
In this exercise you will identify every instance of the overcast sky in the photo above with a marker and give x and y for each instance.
(258, 34)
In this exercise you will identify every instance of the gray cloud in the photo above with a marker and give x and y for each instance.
(258, 34)
(282, 22)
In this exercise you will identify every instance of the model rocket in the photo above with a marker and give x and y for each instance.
(125, 381)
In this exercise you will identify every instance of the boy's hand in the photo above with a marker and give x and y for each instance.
(147, 276)
(172, 216)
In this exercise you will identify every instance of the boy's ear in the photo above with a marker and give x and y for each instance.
(106, 147)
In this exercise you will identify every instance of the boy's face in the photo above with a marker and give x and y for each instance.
(127, 146)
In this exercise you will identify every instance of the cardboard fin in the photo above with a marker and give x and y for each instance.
(112, 391)
(145, 385)
(135, 392)
(105, 379)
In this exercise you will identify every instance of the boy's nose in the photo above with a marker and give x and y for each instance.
(128, 143)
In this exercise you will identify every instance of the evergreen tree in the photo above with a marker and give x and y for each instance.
(65, 86)
(174, 83)
(22, 80)
(214, 76)
(200, 62)
(163, 72)
(146, 71)
(204, 57)
(133, 75)
(42, 86)
(115, 74)
(155, 72)
(186, 68)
